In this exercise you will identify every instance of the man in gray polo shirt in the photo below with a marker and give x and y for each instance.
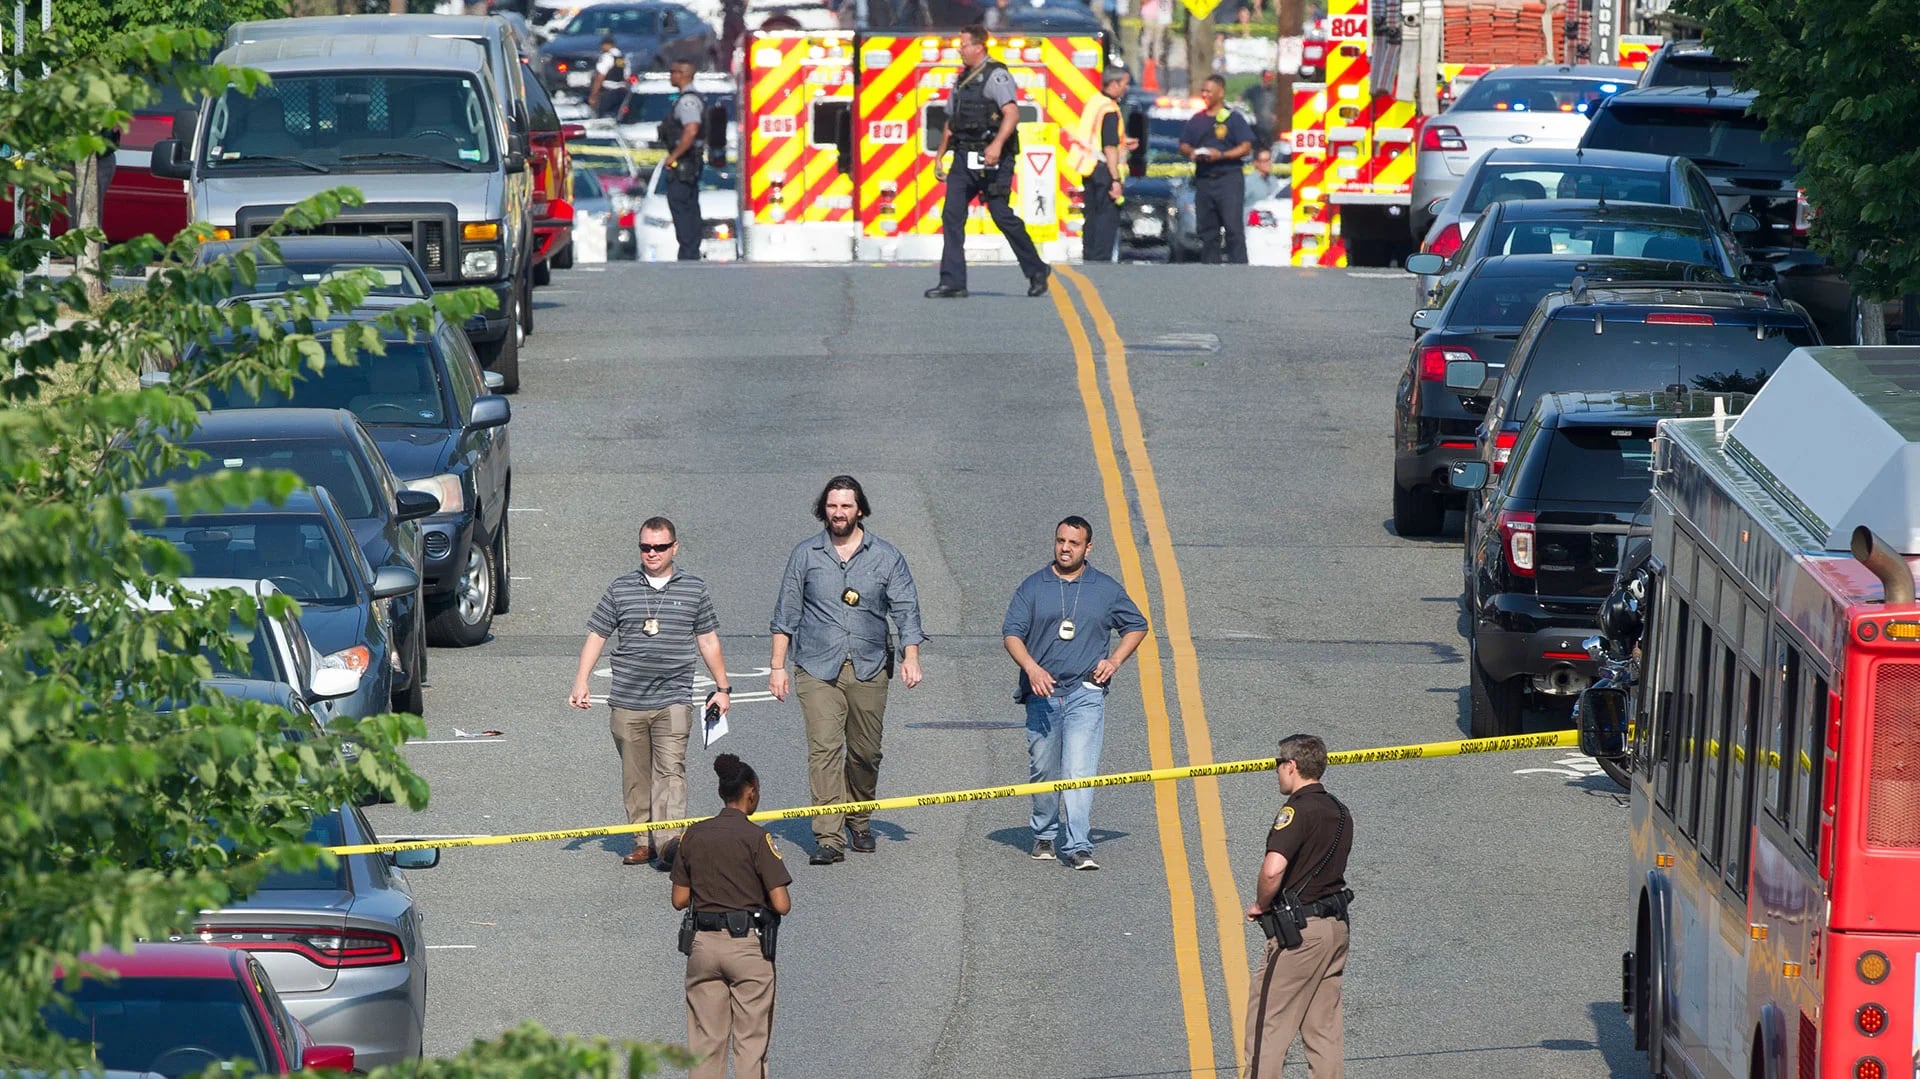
(663, 617)
(839, 589)
(1057, 629)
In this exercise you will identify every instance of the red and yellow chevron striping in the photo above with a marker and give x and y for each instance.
(799, 86)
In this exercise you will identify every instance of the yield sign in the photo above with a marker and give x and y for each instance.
(1038, 160)
(1200, 9)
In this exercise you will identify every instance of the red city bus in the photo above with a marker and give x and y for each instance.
(1774, 736)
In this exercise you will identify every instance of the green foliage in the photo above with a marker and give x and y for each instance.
(528, 1052)
(130, 796)
(85, 23)
(1838, 75)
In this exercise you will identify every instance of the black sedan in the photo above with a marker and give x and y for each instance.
(305, 261)
(331, 449)
(651, 36)
(426, 404)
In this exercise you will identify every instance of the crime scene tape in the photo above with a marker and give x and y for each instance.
(1462, 748)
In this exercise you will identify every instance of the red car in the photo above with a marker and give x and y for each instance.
(177, 1008)
(137, 202)
(552, 166)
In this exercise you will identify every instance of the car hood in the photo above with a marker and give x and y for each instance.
(472, 194)
(415, 452)
(578, 46)
(333, 628)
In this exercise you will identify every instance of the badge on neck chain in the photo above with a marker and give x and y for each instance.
(1066, 629)
(850, 598)
(651, 627)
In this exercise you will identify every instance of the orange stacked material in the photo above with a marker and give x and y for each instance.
(1497, 31)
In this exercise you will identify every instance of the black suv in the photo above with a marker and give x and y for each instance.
(1689, 63)
(426, 404)
(1434, 427)
(1548, 541)
(1750, 172)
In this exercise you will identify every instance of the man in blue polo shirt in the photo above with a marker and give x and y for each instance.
(1057, 630)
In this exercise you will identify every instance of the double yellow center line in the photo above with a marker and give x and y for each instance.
(1170, 618)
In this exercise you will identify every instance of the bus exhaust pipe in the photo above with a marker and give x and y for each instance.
(1875, 553)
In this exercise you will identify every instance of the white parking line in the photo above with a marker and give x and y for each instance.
(458, 742)
(1377, 276)
(519, 578)
(452, 947)
(524, 509)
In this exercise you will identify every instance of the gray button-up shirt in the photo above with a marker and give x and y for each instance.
(827, 630)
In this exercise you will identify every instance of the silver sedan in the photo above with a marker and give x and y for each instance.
(1538, 106)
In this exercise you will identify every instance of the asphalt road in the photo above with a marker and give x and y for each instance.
(1235, 464)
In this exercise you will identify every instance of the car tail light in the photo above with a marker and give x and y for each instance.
(1261, 219)
(1503, 449)
(334, 948)
(561, 67)
(1443, 137)
(1434, 361)
(1802, 213)
(1676, 318)
(1447, 244)
(1516, 536)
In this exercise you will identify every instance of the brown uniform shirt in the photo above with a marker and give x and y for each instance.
(730, 863)
(1303, 832)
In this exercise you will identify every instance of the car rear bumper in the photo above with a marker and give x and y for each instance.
(1427, 466)
(1519, 635)
(374, 1010)
(551, 237)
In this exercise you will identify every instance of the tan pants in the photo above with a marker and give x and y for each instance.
(653, 766)
(729, 997)
(843, 745)
(1298, 992)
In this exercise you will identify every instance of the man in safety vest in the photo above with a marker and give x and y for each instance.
(1097, 141)
(981, 123)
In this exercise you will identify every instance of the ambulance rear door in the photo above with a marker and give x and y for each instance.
(899, 114)
(800, 147)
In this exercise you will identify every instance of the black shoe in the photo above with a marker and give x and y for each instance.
(1037, 286)
(862, 841)
(946, 292)
(826, 856)
(669, 852)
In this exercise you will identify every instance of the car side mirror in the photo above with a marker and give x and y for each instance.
(1740, 221)
(569, 132)
(150, 380)
(332, 683)
(516, 162)
(414, 859)
(490, 410)
(1425, 263)
(1468, 475)
(412, 505)
(332, 1058)
(1759, 273)
(495, 381)
(170, 160)
(1466, 376)
(1600, 713)
(390, 582)
(1425, 319)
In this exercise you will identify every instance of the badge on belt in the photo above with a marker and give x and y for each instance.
(850, 598)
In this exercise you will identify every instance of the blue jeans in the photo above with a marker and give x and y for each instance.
(1063, 742)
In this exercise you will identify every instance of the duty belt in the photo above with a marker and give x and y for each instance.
(1329, 906)
(713, 921)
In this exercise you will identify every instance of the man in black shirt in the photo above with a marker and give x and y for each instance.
(1302, 882)
(1218, 140)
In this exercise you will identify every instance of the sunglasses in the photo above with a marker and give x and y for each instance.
(656, 548)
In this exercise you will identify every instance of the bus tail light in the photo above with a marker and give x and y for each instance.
(1869, 1068)
(1870, 1019)
(1516, 538)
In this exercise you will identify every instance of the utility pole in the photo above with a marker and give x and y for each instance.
(1292, 18)
(1200, 49)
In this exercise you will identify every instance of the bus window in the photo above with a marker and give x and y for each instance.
(1786, 707)
(1693, 735)
(1740, 784)
(1809, 765)
(1718, 729)
(1671, 704)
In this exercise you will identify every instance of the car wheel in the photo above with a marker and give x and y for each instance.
(464, 618)
(563, 259)
(503, 568)
(526, 307)
(542, 274)
(503, 356)
(1417, 512)
(413, 699)
(1495, 704)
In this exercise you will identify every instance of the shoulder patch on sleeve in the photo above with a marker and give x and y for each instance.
(772, 847)
(1284, 818)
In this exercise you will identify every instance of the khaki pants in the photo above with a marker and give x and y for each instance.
(729, 997)
(653, 766)
(1298, 992)
(843, 745)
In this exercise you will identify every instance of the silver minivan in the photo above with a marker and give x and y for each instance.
(414, 123)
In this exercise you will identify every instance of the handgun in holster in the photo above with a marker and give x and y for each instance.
(686, 932)
(1283, 921)
(769, 925)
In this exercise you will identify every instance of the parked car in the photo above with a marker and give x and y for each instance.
(652, 96)
(278, 653)
(617, 161)
(177, 1009)
(330, 448)
(425, 402)
(551, 162)
(653, 35)
(1523, 105)
(1149, 218)
(1591, 227)
(594, 215)
(719, 217)
(1548, 540)
(1434, 427)
(307, 549)
(1270, 232)
(343, 943)
(1689, 63)
(1751, 172)
(306, 261)
(1511, 173)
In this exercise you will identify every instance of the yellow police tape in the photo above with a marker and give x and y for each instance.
(1464, 747)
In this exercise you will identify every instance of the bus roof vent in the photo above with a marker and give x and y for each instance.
(1835, 433)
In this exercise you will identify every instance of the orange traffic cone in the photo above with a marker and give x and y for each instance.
(1150, 75)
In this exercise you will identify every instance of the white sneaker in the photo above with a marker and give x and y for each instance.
(1083, 860)
(1043, 850)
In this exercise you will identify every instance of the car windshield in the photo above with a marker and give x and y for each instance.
(1556, 94)
(326, 831)
(399, 389)
(392, 278)
(1607, 236)
(646, 108)
(351, 122)
(295, 553)
(1716, 139)
(1599, 464)
(586, 185)
(600, 21)
(1505, 183)
(1694, 69)
(318, 463)
(1639, 355)
(169, 1026)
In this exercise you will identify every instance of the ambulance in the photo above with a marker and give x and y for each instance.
(841, 127)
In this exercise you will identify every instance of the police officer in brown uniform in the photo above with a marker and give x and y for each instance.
(732, 884)
(1301, 904)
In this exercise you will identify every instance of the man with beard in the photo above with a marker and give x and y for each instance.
(839, 589)
(1057, 630)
